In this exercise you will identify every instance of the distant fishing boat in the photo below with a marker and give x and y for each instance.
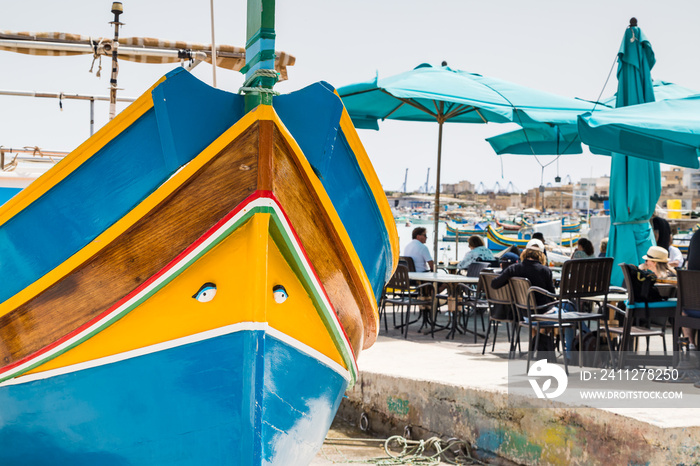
(508, 226)
(454, 233)
(565, 227)
(570, 227)
(473, 229)
(20, 167)
(205, 308)
(498, 241)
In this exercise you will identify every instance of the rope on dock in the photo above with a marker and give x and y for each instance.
(413, 452)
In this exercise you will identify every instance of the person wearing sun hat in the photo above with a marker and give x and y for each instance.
(656, 260)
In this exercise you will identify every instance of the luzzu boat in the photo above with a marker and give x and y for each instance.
(497, 241)
(462, 234)
(193, 284)
(508, 226)
(570, 227)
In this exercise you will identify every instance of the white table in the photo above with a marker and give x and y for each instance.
(451, 280)
(437, 277)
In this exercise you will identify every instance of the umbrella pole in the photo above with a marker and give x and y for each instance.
(436, 212)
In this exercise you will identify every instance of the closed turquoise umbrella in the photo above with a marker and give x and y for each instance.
(635, 183)
(441, 94)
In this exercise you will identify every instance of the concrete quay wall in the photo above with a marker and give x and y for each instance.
(545, 433)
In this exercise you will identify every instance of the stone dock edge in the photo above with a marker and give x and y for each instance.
(551, 434)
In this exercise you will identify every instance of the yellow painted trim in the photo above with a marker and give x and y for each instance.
(78, 156)
(373, 181)
(130, 218)
(243, 294)
(268, 113)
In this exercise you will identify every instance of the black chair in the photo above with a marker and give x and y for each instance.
(500, 304)
(472, 302)
(472, 297)
(688, 305)
(400, 293)
(580, 278)
(407, 261)
(475, 268)
(642, 313)
(525, 306)
(632, 332)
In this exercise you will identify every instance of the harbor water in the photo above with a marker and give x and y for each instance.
(448, 251)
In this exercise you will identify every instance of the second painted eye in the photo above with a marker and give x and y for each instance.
(279, 293)
(206, 293)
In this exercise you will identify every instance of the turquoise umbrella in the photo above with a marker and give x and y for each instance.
(561, 135)
(635, 184)
(667, 131)
(542, 140)
(441, 94)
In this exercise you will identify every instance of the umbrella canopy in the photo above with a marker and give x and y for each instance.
(543, 140)
(663, 90)
(635, 184)
(441, 94)
(667, 131)
(561, 136)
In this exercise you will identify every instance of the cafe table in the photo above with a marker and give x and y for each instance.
(451, 280)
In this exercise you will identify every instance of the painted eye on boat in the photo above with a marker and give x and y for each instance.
(206, 293)
(279, 293)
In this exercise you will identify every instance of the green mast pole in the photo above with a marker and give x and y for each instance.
(260, 54)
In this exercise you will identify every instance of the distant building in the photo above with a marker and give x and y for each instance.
(582, 193)
(463, 187)
(691, 179)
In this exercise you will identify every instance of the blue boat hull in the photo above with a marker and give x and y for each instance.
(219, 400)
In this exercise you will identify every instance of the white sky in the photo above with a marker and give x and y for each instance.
(559, 46)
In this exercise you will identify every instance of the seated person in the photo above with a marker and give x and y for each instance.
(603, 247)
(478, 252)
(656, 260)
(418, 251)
(538, 235)
(508, 259)
(584, 249)
(675, 257)
(532, 267)
(694, 251)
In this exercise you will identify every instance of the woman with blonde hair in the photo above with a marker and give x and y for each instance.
(656, 260)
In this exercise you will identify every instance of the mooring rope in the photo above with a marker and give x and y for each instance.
(413, 452)
(263, 90)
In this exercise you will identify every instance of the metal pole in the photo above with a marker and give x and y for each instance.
(92, 117)
(117, 9)
(213, 45)
(436, 211)
(457, 244)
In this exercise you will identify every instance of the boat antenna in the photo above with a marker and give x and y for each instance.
(213, 45)
(117, 9)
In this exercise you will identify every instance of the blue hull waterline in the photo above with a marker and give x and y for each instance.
(148, 408)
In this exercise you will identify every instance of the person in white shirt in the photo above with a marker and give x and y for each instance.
(418, 251)
(675, 257)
